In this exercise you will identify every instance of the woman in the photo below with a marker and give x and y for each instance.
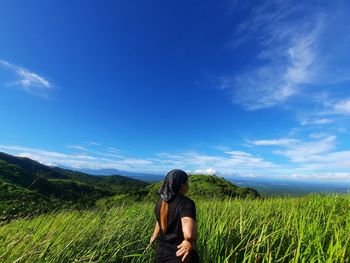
(176, 227)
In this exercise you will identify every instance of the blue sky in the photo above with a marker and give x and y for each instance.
(256, 89)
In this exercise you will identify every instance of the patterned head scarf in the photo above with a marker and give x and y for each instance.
(172, 183)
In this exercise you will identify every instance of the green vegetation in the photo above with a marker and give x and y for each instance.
(28, 187)
(208, 186)
(110, 219)
(201, 186)
(312, 228)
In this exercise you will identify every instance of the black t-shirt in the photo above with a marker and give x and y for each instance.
(167, 242)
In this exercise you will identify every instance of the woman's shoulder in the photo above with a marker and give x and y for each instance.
(188, 208)
(187, 199)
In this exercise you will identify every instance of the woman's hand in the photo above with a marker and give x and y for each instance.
(184, 249)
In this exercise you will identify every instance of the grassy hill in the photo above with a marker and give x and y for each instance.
(313, 228)
(201, 187)
(208, 186)
(27, 186)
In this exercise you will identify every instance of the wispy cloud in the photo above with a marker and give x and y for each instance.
(44, 153)
(318, 135)
(300, 150)
(93, 143)
(342, 107)
(27, 80)
(210, 171)
(274, 142)
(77, 147)
(325, 176)
(332, 109)
(227, 163)
(293, 52)
(91, 160)
(311, 159)
(305, 151)
(317, 159)
(287, 58)
(316, 121)
(230, 162)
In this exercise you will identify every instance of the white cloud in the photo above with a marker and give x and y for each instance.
(42, 152)
(300, 45)
(209, 171)
(331, 110)
(288, 56)
(77, 147)
(325, 176)
(235, 161)
(273, 142)
(316, 121)
(307, 151)
(113, 150)
(28, 80)
(238, 153)
(93, 160)
(313, 155)
(332, 160)
(318, 135)
(228, 163)
(342, 107)
(315, 159)
(94, 143)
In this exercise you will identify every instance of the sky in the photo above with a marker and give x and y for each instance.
(233, 88)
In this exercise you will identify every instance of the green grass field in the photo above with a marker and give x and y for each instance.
(313, 228)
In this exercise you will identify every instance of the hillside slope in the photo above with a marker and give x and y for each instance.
(27, 185)
(209, 186)
(312, 228)
(201, 187)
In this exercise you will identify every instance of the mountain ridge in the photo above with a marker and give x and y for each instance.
(27, 185)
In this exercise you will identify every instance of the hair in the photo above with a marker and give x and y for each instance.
(164, 215)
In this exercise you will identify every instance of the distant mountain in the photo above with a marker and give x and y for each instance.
(27, 185)
(148, 177)
(291, 187)
(209, 186)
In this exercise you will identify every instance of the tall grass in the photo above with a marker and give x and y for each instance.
(313, 228)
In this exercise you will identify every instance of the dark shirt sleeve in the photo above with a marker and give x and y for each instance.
(189, 210)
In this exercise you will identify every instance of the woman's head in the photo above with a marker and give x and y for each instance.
(184, 188)
(175, 181)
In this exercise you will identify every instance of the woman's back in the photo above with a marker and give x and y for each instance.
(167, 242)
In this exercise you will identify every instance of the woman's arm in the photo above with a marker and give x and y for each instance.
(155, 233)
(189, 229)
